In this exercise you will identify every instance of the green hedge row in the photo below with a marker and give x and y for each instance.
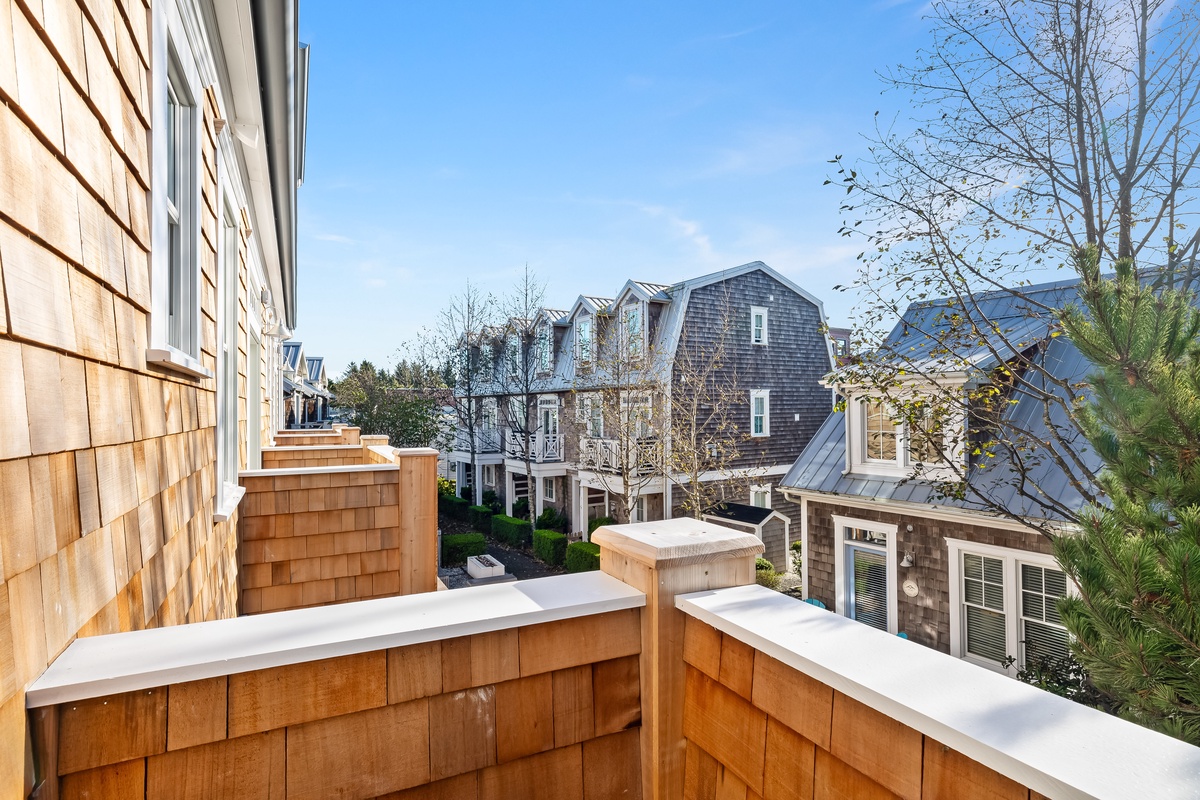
(550, 546)
(583, 557)
(512, 531)
(480, 518)
(453, 507)
(457, 547)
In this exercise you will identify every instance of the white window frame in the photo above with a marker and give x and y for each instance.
(765, 396)
(545, 347)
(585, 344)
(175, 73)
(764, 489)
(954, 431)
(842, 599)
(634, 346)
(489, 414)
(587, 407)
(1012, 558)
(758, 334)
(489, 475)
(548, 489)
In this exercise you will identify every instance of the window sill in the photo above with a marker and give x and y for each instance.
(233, 496)
(177, 361)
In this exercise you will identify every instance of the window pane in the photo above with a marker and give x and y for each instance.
(973, 592)
(172, 148)
(973, 566)
(868, 601)
(881, 433)
(1044, 641)
(986, 634)
(878, 538)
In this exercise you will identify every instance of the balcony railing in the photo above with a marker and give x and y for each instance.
(486, 441)
(543, 446)
(605, 455)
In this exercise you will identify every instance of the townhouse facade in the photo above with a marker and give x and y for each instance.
(149, 158)
(939, 529)
(305, 389)
(597, 410)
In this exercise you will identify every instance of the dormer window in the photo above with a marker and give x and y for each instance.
(545, 347)
(905, 436)
(631, 321)
(513, 349)
(583, 339)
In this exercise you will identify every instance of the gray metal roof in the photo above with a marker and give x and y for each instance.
(1024, 318)
(291, 354)
(314, 367)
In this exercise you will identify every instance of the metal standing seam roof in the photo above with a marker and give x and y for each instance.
(291, 354)
(314, 367)
(821, 466)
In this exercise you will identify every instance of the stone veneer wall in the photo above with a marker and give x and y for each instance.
(926, 617)
(756, 728)
(542, 712)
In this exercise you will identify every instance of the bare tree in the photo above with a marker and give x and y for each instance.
(1038, 127)
(462, 338)
(707, 401)
(621, 387)
(525, 373)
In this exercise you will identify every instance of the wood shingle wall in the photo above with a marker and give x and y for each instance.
(756, 728)
(547, 711)
(107, 463)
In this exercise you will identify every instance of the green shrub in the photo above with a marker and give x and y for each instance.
(492, 501)
(598, 521)
(767, 577)
(552, 520)
(453, 507)
(583, 557)
(457, 547)
(512, 531)
(550, 546)
(446, 487)
(521, 508)
(480, 518)
(761, 565)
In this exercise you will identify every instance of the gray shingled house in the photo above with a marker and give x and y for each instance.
(938, 543)
(573, 427)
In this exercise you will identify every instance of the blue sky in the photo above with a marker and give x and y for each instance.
(594, 141)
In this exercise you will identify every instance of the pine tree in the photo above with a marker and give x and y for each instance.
(1136, 620)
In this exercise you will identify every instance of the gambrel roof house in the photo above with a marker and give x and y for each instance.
(777, 352)
(906, 537)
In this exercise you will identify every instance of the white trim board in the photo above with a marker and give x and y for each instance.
(121, 662)
(1048, 743)
(276, 473)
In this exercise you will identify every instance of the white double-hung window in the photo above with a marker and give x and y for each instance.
(758, 325)
(545, 347)
(175, 198)
(583, 339)
(1004, 605)
(913, 434)
(760, 412)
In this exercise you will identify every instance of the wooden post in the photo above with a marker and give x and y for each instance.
(665, 559)
(369, 441)
(418, 519)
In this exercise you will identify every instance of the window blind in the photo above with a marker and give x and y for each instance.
(983, 604)
(869, 601)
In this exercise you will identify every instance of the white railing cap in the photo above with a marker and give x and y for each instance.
(1050, 744)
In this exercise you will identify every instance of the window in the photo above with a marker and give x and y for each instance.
(548, 489)
(513, 350)
(583, 339)
(489, 474)
(882, 432)
(639, 509)
(760, 496)
(637, 413)
(758, 325)
(1004, 603)
(760, 412)
(488, 416)
(591, 413)
(549, 421)
(545, 345)
(926, 434)
(631, 320)
(865, 571)
(176, 206)
(227, 356)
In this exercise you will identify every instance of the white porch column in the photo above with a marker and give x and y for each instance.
(581, 519)
(508, 491)
(537, 490)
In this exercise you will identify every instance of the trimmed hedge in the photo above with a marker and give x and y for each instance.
(512, 531)
(453, 507)
(583, 557)
(480, 518)
(550, 546)
(456, 547)
(597, 522)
